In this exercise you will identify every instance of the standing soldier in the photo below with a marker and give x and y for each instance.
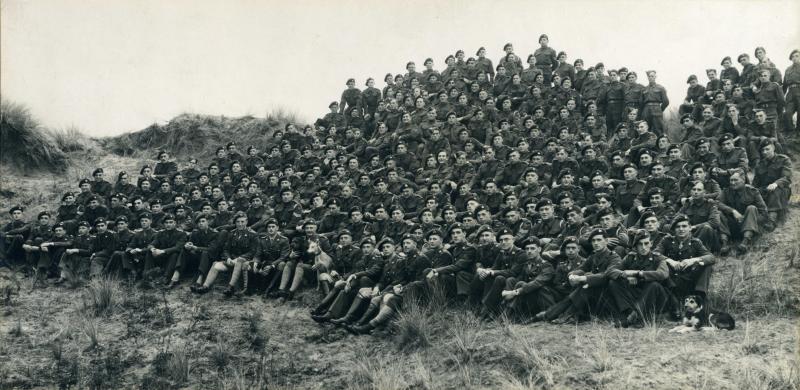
(633, 94)
(791, 85)
(351, 98)
(613, 101)
(545, 58)
(654, 102)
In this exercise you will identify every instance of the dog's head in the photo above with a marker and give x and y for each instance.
(691, 304)
(313, 247)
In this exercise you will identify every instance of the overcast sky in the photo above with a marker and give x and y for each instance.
(109, 67)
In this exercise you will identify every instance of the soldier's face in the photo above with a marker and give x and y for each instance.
(170, 224)
(387, 249)
(571, 250)
(651, 224)
(69, 199)
(546, 211)
(643, 246)
(145, 223)
(506, 241)
(83, 230)
(698, 191)
(241, 223)
(202, 223)
(345, 240)
(656, 199)
(599, 243)
(434, 241)
(122, 226)
(699, 174)
(727, 145)
(683, 229)
(222, 206)
(532, 250)
(768, 151)
(397, 215)
(608, 221)
(100, 227)
(629, 173)
(574, 218)
(60, 232)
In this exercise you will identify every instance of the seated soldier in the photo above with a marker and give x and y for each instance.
(704, 218)
(508, 262)
(773, 177)
(52, 250)
(636, 284)
(401, 280)
(103, 245)
(164, 250)
(196, 253)
(588, 284)
(530, 291)
(133, 258)
(615, 233)
(272, 256)
(37, 234)
(362, 269)
(12, 236)
(689, 261)
(239, 248)
(302, 261)
(464, 257)
(123, 237)
(744, 211)
(75, 261)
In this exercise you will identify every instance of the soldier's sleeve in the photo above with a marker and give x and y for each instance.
(464, 262)
(177, 245)
(702, 252)
(786, 172)
(545, 276)
(714, 216)
(599, 279)
(659, 274)
(665, 101)
(616, 271)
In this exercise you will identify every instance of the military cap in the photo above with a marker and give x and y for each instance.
(145, 215)
(543, 202)
(169, 216)
(448, 207)
(344, 232)
(504, 232)
(406, 186)
(93, 198)
(649, 72)
(577, 61)
(686, 116)
(213, 164)
(179, 208)
(586, 148)
(99, 221)
(66, 194)
(537, 153)
(309, 221)
(639, 235)
(201, 216)
(96, 171)
(757, 110)
(742, 56)
(42, 214)
(161, 153)
(561, 53)
(220, 201)
(332, 201)
(449, 56)
(563, 195)
(569, 240)
(723, 138)
(766, 142)
(506, 46)
(597, 232)
(231, 143)
(483, 229)
(604, 212)
(193, 160)
(385, 241)
(431, 232)
(678, 218)
(457, 225)
(366, 240)
(355, 209)
(612, 71)
(691, 78)
(696, 166)
(655, 191)
(122, 218)
(600, 65)
(478, 52)
(543, 36)
(84, 224)
(646, 215)
(84, 181)
(623, 70)
(155, 201)
(501, 122)
(116, 196)
(631, 74)
(575, 209)
(597, 173)
(629, 165)
(795, 51)
(272, 221)
(396, 206)
(388, 75)
(350, 80)
(427, 60)
(379, 181)
(59, 225)
(727, 58)
(565, 172)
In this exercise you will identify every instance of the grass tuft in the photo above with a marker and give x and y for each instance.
(102, 296)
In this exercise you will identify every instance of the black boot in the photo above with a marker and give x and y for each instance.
(323, 318)
(371, 311)
(360, 329)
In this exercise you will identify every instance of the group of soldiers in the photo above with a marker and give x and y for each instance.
(546, 192)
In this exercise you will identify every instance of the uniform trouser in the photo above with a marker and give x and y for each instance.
(133, 262)
(338, 300)
(654, 117)
(115, 262)
(442, 283)
(646, 298)
(777, 200)
(792, 108)
(691, 281)
(530, 303)
(614, 112)
(48, 261)
(708, 236)
(547, 71)
(98, 265)
(11, 248)
(382, 308)
(166, 262)
(195, 262)
(752, 222)
(581, 302)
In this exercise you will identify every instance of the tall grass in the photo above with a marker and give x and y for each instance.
(102, 297)
(25, 144)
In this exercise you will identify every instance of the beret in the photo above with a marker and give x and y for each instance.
(66, 194)
(691, 78)
(678, 218)
(578, 61)
(623, 69)
(543, 36)
(431, 232)
(161, 153)
(530, 240)
(646, 215)
(543, 202)
(604, 212)
(483, 229)
(696, 166)
(350, 80)
(727, 58)
(563, 195)
(43, 213)
(84, 181)
(640, 234)
(99, 221)
(723, 138)
(631, 74)
(597, 232)
(504, 232)
(685, 117)
(59, 225)
(344, 232)
(561, 53)
(145, 215)
(84, 224)
(309, 221)
(742, 56)
(384, 241)
(98, 170)
(168, 217)
(654, 191)
(649, 72)
(569, 240)
(154, 202)
(122, 218)
(366, 240)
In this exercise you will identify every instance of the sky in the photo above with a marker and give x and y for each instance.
(109, 67)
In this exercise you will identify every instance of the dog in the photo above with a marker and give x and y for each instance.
(697, 317)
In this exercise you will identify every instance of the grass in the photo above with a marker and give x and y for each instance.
(102, 296)
(25, 144)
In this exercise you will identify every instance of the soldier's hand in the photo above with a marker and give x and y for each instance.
(632, 281)
(397, 289)
(772, 187)
(738, 216)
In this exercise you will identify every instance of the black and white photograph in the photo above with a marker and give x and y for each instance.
(411, 195)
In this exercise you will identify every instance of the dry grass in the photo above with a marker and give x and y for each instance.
(102, 297)
(25, 144)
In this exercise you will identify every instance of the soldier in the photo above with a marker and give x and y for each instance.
(240, 246)
(769, 97)
(772, 176)
(791, 85)
(636, 284)
(705, 218)
(654, 102)
(731, 159)
(99, 185)
(52, 250)
(530, 291)
(545, 58)
(133, 259)
(164, 169)
(196, 253)
(163, 251)
(38, 233)
(689, 261)
(75, 261)
(272, 257)
(103, 246)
